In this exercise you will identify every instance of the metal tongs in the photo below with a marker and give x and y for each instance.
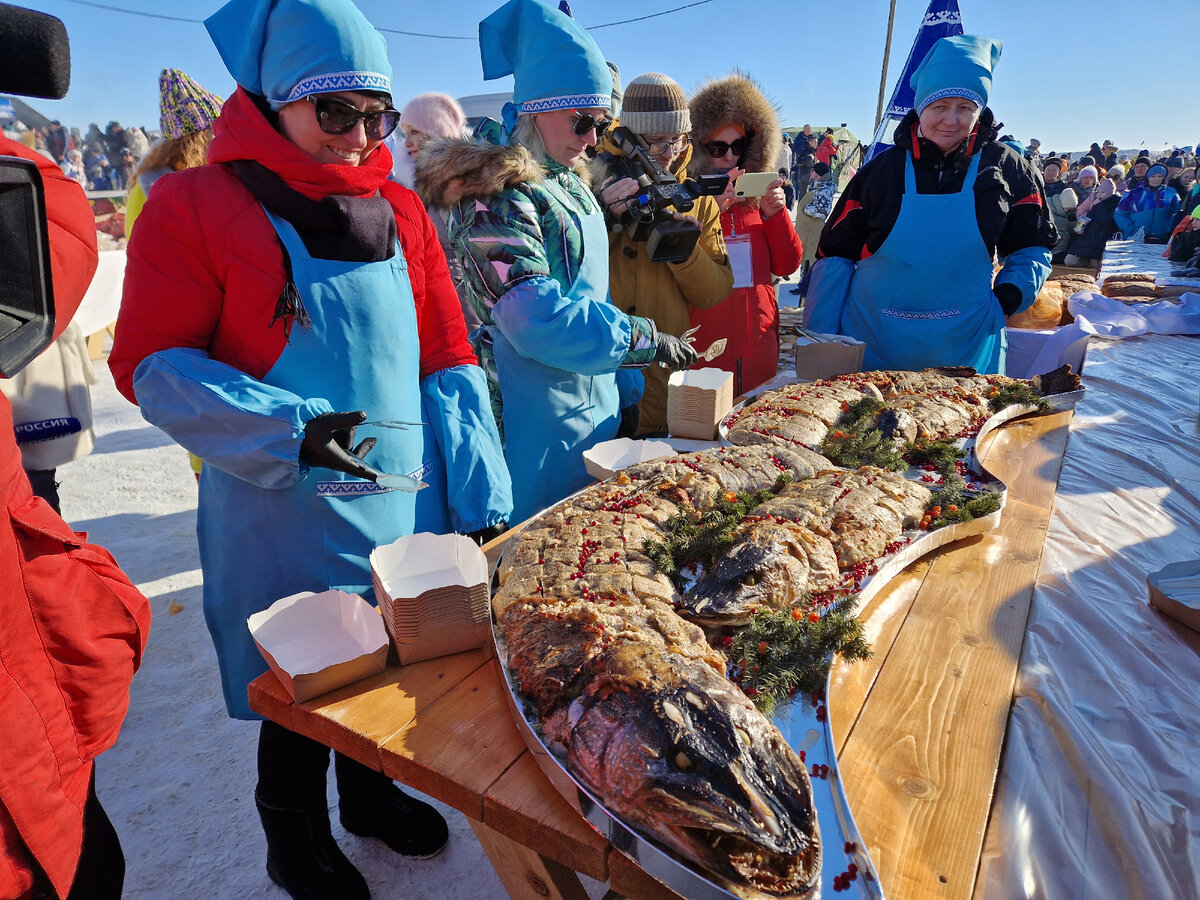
(393, 423)
(394, 480)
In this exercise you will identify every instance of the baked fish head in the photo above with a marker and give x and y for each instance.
(752, 575)
(696, 766)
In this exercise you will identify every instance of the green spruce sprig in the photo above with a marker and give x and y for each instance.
(854, 441)
(782, 654)
(703, 537)
(1016, 393)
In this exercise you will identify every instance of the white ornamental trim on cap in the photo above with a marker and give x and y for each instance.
(568, 101)
(952, 92)
(340, 81)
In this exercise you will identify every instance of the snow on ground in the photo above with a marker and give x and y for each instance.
(179, 783)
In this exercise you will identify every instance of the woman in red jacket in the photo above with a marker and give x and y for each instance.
(74, 631)
(738, 131)
(275, 299)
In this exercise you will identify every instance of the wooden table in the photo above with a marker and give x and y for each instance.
(919, 728)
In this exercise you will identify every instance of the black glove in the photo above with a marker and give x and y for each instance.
(629, 421)
(329, 444)
(674, 353)
(484, 535)
(1009, 296)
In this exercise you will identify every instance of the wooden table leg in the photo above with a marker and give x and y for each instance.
(525, 874)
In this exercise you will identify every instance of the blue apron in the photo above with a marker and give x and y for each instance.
(258, 545)
(551, 416)
(925, 297)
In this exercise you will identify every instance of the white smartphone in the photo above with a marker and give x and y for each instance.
(754, 184)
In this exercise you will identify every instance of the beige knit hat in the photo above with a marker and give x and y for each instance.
(655, 104)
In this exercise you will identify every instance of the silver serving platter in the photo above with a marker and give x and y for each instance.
(797, 721)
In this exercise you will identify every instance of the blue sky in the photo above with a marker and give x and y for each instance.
(1069, 75)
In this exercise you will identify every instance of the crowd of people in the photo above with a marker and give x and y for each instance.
(1104, 194)
(286, 291)
(99, 160)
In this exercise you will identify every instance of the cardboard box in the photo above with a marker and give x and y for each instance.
(821, 356)
(315, 643)
(433, 592)
(1175, 591)
(697, 400)
(608, 458)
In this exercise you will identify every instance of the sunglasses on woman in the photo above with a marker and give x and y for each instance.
(717, 149)
(585, 122)
(337, 117)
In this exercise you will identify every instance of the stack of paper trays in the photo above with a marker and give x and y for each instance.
(317, 642)
(696, 401)
(432, 590)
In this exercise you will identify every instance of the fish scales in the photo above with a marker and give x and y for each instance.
(805, 539)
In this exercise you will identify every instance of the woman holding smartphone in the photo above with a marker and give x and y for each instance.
(274, 300)
(738, 132)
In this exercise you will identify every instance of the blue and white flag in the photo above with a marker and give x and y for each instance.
(942, 19)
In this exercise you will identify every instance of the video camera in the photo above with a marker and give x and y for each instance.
(35, 62)
(649, 217)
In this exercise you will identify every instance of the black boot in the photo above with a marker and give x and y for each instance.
(372, 806)
(304, 859)
(302, 856)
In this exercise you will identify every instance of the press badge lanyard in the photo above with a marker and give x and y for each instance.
(740, 259)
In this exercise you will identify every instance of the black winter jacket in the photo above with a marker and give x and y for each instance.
(1101, 226)
(1010, 200)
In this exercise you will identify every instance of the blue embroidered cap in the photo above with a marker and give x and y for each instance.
(285, 50)
(958, 66)
(554, 62)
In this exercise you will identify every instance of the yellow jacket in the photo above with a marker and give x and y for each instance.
(665, 291)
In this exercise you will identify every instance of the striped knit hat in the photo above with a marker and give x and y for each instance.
(655, 104)
(184, 106)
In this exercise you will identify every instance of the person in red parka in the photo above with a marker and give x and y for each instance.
(74, 631)
(738, 131)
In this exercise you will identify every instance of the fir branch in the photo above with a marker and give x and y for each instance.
(942, 455)
(703, 537)
(854, 441)
(781, 654)
(1018, 393)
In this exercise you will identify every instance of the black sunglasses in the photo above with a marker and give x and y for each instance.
(717, 149)
(337, 117)
(585, 122)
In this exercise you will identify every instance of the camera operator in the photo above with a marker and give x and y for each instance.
(74, 625)
(655, 110)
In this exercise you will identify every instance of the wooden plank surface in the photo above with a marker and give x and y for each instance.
(920, 762)
(523, 805)
(459, 745)
(524, 874)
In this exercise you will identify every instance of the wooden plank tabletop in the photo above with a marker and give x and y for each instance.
(919, 728)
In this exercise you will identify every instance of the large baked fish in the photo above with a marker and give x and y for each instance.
(805, 539)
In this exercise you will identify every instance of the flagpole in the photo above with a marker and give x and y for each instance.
(887, 52)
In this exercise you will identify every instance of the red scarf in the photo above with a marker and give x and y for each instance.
(242, 132)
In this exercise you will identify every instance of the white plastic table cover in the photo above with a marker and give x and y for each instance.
(1147, 259)
(1099, 791)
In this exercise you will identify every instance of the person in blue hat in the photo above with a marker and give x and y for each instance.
(275, 299)
(562, 360)
(905, 263)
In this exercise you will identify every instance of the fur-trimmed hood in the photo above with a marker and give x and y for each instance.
(735, 99)
(448, 171)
